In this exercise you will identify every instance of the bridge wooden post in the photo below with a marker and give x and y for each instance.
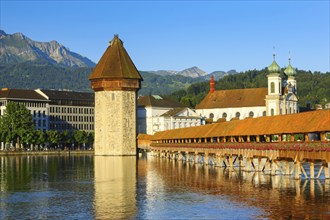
(230, 160)
(187, 156)
(196, 157)
(206, 159)
(241, 161)
(248, 166)
(326, 169)
(297, 174)
(180, 156)
(273, 168)
(311, 170)
(219, 160)
(287, 168)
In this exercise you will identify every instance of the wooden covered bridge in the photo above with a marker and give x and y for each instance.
(276, 144)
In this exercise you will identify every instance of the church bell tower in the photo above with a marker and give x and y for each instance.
(115, 80)
(274, 89)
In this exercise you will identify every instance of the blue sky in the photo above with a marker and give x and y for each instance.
(174, 35)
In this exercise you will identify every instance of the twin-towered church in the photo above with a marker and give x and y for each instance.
(279, 98)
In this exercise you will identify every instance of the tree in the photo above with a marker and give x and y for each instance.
(81, 137)
(66, 138)
(53, 137)
(17, 123)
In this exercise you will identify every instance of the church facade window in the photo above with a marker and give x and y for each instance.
(224, 115)
(272, 87)
(251, 114)
(211, 115)
(238, 114)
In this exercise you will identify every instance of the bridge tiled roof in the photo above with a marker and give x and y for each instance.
(314, 121)
(234, 98)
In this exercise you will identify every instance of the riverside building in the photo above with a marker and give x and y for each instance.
(279, 98)
(54, 110)
(157, 113)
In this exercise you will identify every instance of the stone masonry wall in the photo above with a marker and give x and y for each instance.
(115, 123)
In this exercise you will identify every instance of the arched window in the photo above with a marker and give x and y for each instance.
(272, 87)
(238, 114)
(279, 87)
(224, 115)
(264, 113)
(251, 114)
(272, 112)
(211, 115)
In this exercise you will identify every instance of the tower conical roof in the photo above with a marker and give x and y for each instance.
(274, 67)
(290, 71)
(115, 63)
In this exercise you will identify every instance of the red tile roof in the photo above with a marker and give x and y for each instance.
(314, 121)
(235, 98)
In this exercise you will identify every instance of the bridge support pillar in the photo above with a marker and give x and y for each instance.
(273, 168)
(326, 170)
(241, 161)
(287, 168)
(311, 170)
(180, 156)
(206, 159)
(187, 156)
(230, 159)
(196, 158)
(297, 174)
(219, 161)
(248, 165)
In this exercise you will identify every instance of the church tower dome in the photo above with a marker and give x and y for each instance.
(274, 68)
(290, 71)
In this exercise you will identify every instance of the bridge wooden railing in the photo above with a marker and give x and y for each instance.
(311, 146)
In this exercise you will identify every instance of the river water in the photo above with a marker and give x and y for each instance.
(88, 187)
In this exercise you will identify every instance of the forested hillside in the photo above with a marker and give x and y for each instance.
(45, 75)
(312, 87)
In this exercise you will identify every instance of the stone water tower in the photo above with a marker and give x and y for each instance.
(115, 81)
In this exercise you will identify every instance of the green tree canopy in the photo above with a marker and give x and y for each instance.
(17, 123)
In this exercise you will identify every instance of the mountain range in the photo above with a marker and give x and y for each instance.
(17, 48)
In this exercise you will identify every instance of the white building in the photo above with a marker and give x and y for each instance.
(279, 98)
(34, 102)
(54, 110)
(156, 113)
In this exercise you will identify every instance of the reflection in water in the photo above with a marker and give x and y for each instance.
(88, 187)
(115, 187)
(270, 196)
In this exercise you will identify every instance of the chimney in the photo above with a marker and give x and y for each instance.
(212, 88)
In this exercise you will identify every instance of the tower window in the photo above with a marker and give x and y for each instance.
(272, 112)
(279, 87)
(272, 87)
